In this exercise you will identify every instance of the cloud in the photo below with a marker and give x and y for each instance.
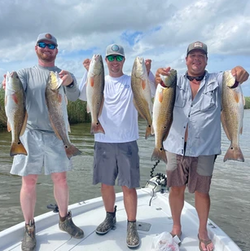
(158, 30)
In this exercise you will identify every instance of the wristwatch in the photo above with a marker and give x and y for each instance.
(71, 85)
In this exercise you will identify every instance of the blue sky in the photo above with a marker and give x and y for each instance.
(160, 30)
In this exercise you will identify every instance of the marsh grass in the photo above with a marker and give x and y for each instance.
(247, 103)
(77, 112)
(3, 119)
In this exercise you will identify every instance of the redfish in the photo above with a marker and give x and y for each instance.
(16, 113)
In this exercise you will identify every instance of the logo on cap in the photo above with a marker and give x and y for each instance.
(115, 47)
(198, 44)
(48, 36)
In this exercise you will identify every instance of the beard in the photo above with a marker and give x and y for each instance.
(47, 57)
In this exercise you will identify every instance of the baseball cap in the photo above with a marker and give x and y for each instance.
(197, 46)
(115, 49)
(47, 37)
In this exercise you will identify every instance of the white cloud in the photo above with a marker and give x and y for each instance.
(159, 30)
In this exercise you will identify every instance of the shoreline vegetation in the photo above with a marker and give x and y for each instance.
(77, 111)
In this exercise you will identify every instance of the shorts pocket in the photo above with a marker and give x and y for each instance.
(205, 165)
(171, 161)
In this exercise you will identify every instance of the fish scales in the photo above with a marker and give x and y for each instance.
(57, 109)
(163, 113)
(140, 84)
(232, 115)
(94, 91)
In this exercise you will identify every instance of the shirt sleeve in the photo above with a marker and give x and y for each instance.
(152, 83)
(73, 92)
(22, 74)
(82, 87)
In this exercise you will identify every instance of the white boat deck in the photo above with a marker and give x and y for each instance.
(152, 220)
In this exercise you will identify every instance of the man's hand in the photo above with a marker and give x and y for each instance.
(161, 71)
(66, 77)
(86, 63)
(240, 74)
(148, 65)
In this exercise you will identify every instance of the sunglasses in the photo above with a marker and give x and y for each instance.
(118, 58)
(43, 45)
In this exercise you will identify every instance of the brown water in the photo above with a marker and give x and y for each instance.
(230, 205)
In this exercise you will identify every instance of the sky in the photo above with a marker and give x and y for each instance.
(160, 30)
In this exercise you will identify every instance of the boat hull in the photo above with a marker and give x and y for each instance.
(153, 215)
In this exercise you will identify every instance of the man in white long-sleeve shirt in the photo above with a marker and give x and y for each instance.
(116, 151)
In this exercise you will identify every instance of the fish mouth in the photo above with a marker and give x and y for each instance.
(236, 83)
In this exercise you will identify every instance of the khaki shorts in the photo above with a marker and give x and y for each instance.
(116, 160)
(44, 150)
(195, 172)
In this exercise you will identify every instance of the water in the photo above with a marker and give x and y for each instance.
(230, 205)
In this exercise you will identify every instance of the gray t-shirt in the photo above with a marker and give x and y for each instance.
(34, 80)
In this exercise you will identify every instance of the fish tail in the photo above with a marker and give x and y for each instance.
(159, 154)
(148, 131)
(17, 148)
(234, 153)
(97, 128)
(71, 150)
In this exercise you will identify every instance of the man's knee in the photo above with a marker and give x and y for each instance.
(177, 190)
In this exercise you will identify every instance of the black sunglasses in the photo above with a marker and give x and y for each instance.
(118, 58)
(43, 45)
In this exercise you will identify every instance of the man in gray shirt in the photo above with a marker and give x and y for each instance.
(41, 143)
(194, 139)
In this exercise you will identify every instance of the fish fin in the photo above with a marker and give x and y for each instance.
(24, 124)
(97, 128)
(159, 154)
(101, 107)
(69, 130)
(241, 130)
(15, 98)
(8, 126)
(138, 110)
(71, 151)
(17, 148)
(236, 97)
(92, 81)
(234, 153)
(160, 97)
(152, 130)
(144, 84)
(88, 110)
(148, 131)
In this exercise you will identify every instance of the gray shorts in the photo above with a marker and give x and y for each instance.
(195, 172)
(44, 150)
(116, 160)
